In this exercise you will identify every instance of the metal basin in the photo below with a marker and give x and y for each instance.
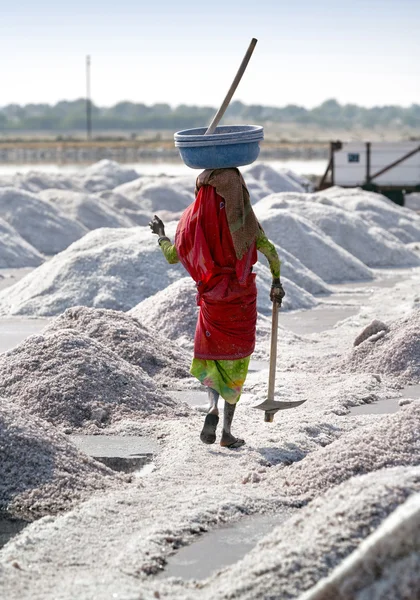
(229, 146)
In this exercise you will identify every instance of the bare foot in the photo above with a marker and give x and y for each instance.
(208, 433)
(230, 441)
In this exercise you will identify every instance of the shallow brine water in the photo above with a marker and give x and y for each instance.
(388, 406)
(223, 546)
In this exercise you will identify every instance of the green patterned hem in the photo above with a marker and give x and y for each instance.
(225, 376)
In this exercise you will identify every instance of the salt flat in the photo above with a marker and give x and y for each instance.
(348, 481)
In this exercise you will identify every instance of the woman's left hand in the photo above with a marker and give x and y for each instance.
(277, 292)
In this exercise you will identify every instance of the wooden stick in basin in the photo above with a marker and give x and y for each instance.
(217, 117)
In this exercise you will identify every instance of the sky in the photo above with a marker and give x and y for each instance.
(183, 52)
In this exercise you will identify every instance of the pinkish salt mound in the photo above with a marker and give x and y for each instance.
(75, 382)
(138, 341)
(395, 352)
(41, 472)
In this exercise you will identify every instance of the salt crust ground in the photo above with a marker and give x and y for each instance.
(41, 472)
(133, 535)
(139, 343)
(75, 382)
(396, 353)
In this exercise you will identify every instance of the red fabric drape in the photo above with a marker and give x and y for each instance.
(227, 293)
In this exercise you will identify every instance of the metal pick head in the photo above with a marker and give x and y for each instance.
(270, 407)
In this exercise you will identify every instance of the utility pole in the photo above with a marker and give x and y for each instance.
(88, 101)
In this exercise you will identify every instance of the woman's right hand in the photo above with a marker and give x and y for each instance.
(157, 226)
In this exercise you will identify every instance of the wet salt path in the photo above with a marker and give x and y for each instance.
(315, 320)
(9, 528)
(345, 301)
(222, 547)
(388, 406)
(13, 330)
(120, 453)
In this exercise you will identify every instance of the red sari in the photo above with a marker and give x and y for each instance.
(227, 293)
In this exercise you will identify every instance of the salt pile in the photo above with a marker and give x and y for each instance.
(412, 201)
(87, 209)
(293, 269)
(138, 341)
(15, 252)
(323, 533)
(371, 244)
(296, 297)
(35, 181)
(39, 223)
(153, 194)
(377, 210)
(107, 268)
(394, 440)
(73, 381)
(41, 472)
(395, 352)
(173, 310)
(385, 565)
(309, 244)
(262, 180)
(105, 175)
(125, 207)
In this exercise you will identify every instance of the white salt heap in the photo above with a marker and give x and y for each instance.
(153, 194)
(376, 209)
(373, 245)
(309, 244)
(138, 341)
(295, 270)
(41, 471)
(261, 180)
(392, 441)
(87, 209)
(412, 201)
(125, 207)
(15, 252)
(74, 381)
(107, 268)
(105, 175)
(395, 353)
(38, 222)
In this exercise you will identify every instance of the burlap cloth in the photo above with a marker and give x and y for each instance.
(230, 185)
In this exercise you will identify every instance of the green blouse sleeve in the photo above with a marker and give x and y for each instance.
(169, 252)
(268, 249)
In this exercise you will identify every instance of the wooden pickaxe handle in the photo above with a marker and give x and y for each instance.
(273, 350)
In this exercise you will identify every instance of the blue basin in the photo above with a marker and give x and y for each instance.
(228, 146)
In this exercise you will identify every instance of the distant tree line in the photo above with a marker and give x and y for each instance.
(133, 117)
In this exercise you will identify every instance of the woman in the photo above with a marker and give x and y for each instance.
(217, 239)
